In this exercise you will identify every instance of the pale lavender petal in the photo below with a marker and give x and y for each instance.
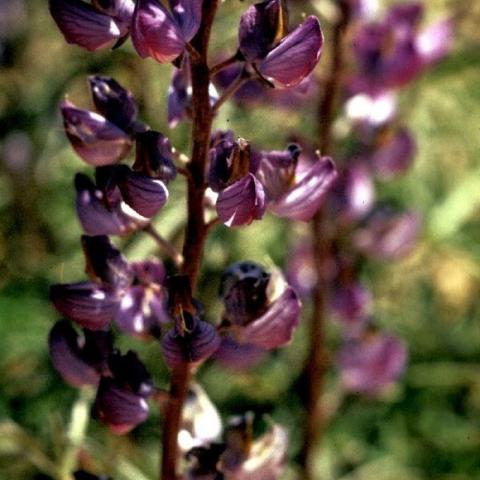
(188, 14)
(84, 25)
(155, 33)
(274, 328)
(242, 202)
(296, 55)
(435, 42)
(96, 140)
(307, 196)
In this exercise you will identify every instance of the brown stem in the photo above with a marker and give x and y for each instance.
(196, 231)
(317, 360)
(226, 63)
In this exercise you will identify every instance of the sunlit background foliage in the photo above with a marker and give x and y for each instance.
(427, 427)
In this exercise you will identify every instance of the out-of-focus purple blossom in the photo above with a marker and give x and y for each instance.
(121, 401)
(393, 154)
(93, 26)
(290, 194)
(121, 200)
(16, 151)
(238, 356)
(260, 309)
(161, 33)
(386, 236)
(370, 363)
(131, 294)
(351, 304)
(360, 10)
(79, 360)
(301, 273)
(281, 58)
(370, 108)
(353, 194)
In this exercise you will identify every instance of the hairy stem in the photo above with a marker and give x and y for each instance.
(196, 230)
(322, 235)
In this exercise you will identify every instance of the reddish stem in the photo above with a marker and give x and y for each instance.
(196, 229)
(322, 234)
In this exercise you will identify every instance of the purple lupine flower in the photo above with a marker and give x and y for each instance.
(131, 294)
(386, 235)
(279, 58)
(370, 363)
(121, 200)
(260, 309)
(353, 194)
(393, 154)
(351, 304)
(292, 194)
(106, 137)
(121, 401)
(79, 360)
(161, 33)
(93, 26)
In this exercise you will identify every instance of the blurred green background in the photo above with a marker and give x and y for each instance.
(428, 427)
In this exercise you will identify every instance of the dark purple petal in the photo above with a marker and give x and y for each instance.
(274, 328)
(179, 97)
(88, 304)
(394, 155)
(120, 10)
(96, 140)
(67, 357)
(149, 271)
(118, 408)
(188, 14)
(144, 194)
(242, 202)
(113, 101)
(369, 364)
(307, 196)
(105, 263)
(351, 304)
(84, 25)
(195, 346)
(435, 41)
(154, 156)
(238, 356)
(259, 27)
(388, 236)
(155, 33)
(296, 56)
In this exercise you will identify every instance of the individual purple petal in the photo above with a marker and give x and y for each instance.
(369, 364)
(435, 41)
(275, 327)
(296, 55)
(144, 194)
(154, 156)
(120, 10)
(96, 140)
(155, 33)
(241, 202)
(66, 354)
(196, 344)
(259, 26)
(238, 356)
(84, 25)
(119, 408)
(306, 197)
(388, 236)
(88, 304)
(351, 304)
(394, 155)
(105, 263)
(187, 14)
(113, 101)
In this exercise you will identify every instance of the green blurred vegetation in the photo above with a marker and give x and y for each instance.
(428, 427)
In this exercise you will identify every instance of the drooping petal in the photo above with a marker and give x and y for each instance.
(96, 140)
(84, 25)
(88, 304)
(155, 33)
(193, 347)
(241, 202)
(296, 56)
(258, 28)
(113, 101)
(306, 197)
(67, 356)
(187, 14)
(275, 327)
(119, 408)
